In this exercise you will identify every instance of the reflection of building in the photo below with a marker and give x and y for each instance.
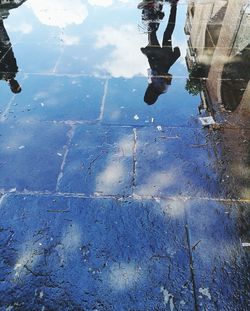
(219, 46)
(219, 40)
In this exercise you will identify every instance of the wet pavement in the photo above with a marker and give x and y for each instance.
(113, 195)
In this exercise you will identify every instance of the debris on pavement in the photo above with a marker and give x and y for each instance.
(246, 244)
(206, 121)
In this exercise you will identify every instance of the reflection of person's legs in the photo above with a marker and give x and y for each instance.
(4, 38)
(152, 39)
(170, 27)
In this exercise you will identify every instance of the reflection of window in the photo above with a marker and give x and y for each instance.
(192, 10)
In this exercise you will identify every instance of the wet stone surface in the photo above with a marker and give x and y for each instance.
(49, 97)
(113, 195)
(104, 254)
(31, 155)
(122, 95)
(218, 256)
(104, 166)
(175, 161)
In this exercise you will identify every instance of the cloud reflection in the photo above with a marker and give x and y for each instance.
(124, 276)
(103, 3)
(69, 40)
(159, 181)
(125, 60)
(22, 27)
(110, 179)
(59, 13)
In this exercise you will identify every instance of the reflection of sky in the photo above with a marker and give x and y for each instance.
(60, 13)
(103, 35)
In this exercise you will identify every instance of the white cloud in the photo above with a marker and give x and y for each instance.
(60, 13)
(22, 27)
(115, 175)
(182, 45)
(126, 59)
(124, 276)
(110, 180)
(103, 3)
(69, 40)
(127, 1)
(106, 3)
(159, 181)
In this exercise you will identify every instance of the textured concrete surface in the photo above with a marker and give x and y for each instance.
(100, 254)
(107, 203)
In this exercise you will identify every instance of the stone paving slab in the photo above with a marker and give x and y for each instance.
(7, 97)
(124, 104)
(77, 228)
(31, 155)
(234, 152)
(221, 264)
(41, 59)
(100, 161)
(59, 98)
(80, 60)
(176, 161)
(63, 253)
(30, 31)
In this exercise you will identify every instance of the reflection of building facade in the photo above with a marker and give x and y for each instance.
(219, 46)
(219, 40)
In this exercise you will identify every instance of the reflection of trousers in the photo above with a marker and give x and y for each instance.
(153, 40)
(7, 59)
(4, 38)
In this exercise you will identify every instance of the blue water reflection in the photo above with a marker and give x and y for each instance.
(108, 203)
(91, 41)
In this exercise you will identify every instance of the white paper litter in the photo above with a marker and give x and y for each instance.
(159, 128)
(205, 121)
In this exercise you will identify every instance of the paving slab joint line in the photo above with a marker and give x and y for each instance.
(97, 122)
(5, 53)
(134, 197)
(58, 60)
(74, 122)
(105, 91)
(3, 115)
(60, 176)
(134, 149)
(191, 265)
(3, 197)
(69, 75)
